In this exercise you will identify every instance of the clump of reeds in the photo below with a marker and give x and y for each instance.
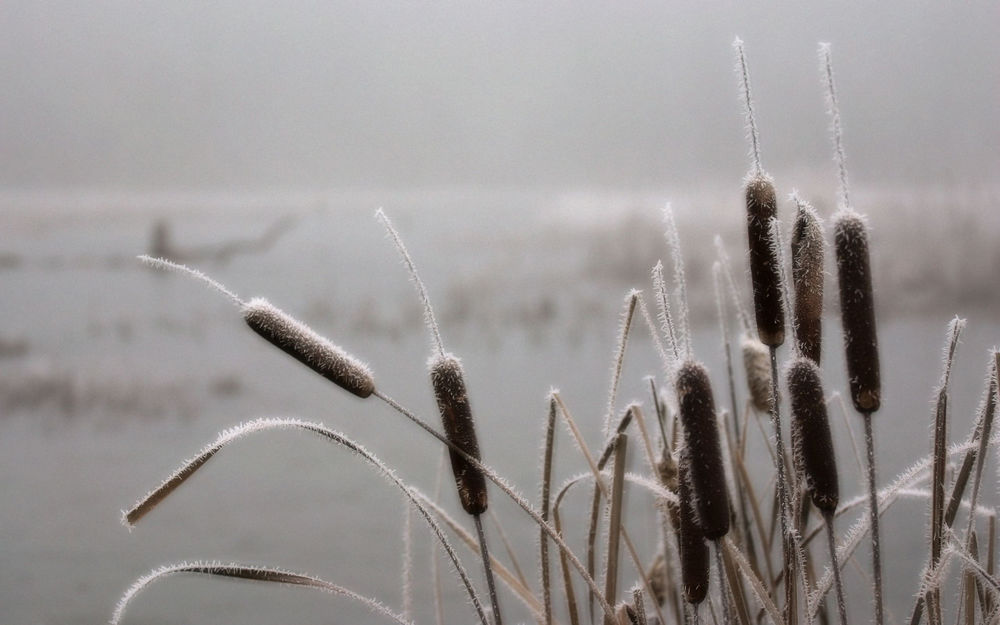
(690, 480)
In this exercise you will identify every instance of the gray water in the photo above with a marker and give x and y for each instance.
(113, 374)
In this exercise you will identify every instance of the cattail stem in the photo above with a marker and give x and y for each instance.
(425, 300)
(727, 608)
(833, 108)
(489, 569)
(787, 542)
(751, 119)
(873, 507)
(838, 584)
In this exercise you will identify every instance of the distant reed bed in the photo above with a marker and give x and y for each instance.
(729, 552)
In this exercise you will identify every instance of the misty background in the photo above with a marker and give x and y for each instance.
(255, 95)
(525, 152)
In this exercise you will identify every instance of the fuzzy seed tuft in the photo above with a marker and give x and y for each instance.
(757, 366)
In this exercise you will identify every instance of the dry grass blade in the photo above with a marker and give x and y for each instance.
(251, 573)
(188, 469)
(760, 592)
(615, 521)
(543, 540)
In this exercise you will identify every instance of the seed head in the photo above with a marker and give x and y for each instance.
(448, 381)
(812, 444)
(857, 309)
(691, 543)
(807, 278)
(701, 438)
(762, 206)
(302, 343)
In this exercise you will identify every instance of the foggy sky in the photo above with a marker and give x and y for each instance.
(248, 95)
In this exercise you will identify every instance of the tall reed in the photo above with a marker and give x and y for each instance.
(857, 309)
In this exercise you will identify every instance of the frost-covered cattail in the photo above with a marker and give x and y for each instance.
(691, 543)
(807, 278)
(300, 342)
(812, 444)
(704, 452)
(757, 364)
(762, 206)
(857, 309)
(288, 334)
(453, 402)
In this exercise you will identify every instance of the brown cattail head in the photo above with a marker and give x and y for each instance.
(701, 440)
(448, 381)
(762, 206)
(300, 342)
(807, 278)
(691, 543)
(857, 309)
(757, 366)
(812, 445)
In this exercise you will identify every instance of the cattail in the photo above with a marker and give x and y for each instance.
(761, 208)
(807, 278)
(448, 381)
(300, 342)
(691, 543)
(757, 365)
(812, 445)
(857, 309)
(701, 437)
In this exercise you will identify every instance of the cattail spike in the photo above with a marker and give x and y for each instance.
(857, 309)
(429, 320)
(751, 118)
(833, 110)
(807, 278)
(765, 277)
(169, 265)
(694, 556)
(701, 438)
(448, 381)
(302, 343)
(674, 243)
(812, 445)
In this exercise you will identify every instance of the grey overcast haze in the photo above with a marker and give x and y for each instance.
(184, 95)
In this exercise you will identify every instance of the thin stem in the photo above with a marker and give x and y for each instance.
(489, 569)
(429, 319)
(169, 265)
(674, 242)
(727, 609)
(751, 119)
(832, 545)
(873, 507)
(787, 545)
(833, 109)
